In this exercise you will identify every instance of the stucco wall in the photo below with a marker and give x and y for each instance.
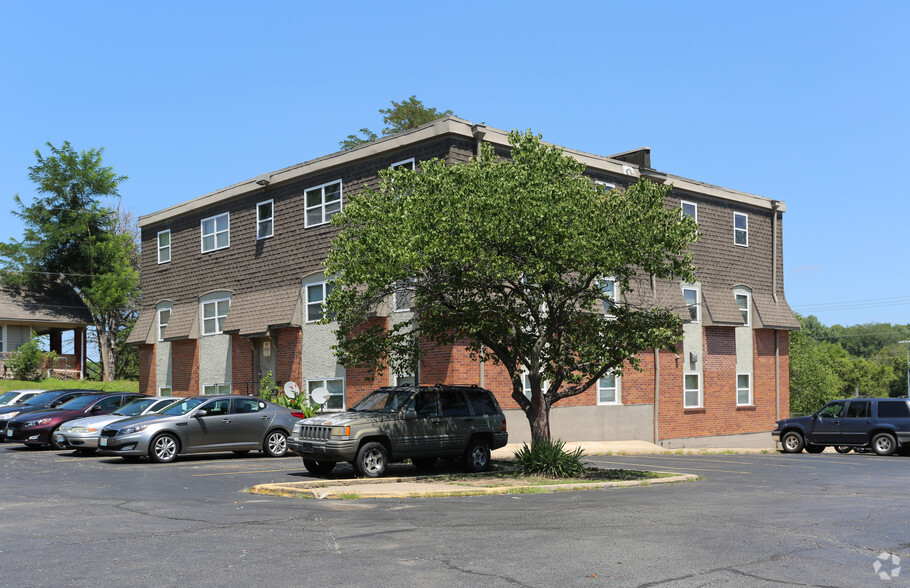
(584, 423)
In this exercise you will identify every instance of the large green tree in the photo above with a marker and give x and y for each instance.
(407, 114)
(72, 237)
(510, 258)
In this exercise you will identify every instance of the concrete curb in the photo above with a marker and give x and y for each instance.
(413, 488)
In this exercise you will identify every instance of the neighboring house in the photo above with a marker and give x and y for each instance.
(232, 287)
(50, 312)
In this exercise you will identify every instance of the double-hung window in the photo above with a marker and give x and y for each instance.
(743, 389)
(608, 390)
(164, 246)
(691, 390)
(214, 313)
(265, 219)
(164, 315)
(605, 186)
(742, 301)
(216, 390)
(608, 290)
(741, 229)
(322, 202)
(403, 295)
(316, 295)
(335, 388)
(216, 232)
(691, 297)
(689, 209)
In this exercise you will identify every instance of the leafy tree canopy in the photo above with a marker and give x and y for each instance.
(407, 114)
(72, 238)
(508, 258)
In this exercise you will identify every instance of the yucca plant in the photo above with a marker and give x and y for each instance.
(547, 457)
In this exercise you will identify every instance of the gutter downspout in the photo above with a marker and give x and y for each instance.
(656, 396)
(775, 207)
(777, 374)
(479, 132)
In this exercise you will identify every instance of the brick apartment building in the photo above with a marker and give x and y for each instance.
(232, 288)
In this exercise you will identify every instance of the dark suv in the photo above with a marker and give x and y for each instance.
(422, 423)
(880, 423)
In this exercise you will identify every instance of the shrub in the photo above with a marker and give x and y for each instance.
(29, 362)
(268, 390)
(547, 457)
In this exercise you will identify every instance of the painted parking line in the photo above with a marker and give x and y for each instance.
(687, 467)
(234, 473)
(707, 459)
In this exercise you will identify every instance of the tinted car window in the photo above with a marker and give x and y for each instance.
(218, 407)
(481, 402)
(893, 409)
(424, 403)
(136, 407)
(858, 409)
(453, 404)
(832, 411)
(77, 403)
(247, 405)
(110, 403)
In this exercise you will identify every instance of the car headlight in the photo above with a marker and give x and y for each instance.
(36, 423)
(131, 430)
(295, 432)
(341, 432)
(9, 415)
(81, 429)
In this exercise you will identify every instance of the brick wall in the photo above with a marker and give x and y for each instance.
(185, 362)
(243, 381)
(288, 343)
(147, 383)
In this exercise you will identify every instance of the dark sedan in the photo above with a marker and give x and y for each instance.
(37, 428)
(43, 401)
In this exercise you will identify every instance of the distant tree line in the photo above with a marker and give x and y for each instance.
(827, 363)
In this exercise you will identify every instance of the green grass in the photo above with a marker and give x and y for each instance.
(55, 384)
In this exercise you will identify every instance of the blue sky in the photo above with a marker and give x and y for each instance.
(805, 102)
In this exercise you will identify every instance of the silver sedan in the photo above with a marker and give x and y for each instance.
(83, 434)
(202, 424)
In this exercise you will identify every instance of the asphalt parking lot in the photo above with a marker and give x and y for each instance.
(752, 520)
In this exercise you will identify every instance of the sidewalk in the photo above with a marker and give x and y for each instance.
(422, 486)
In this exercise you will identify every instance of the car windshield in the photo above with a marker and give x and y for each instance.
(42, 399)
(135, 407)
(390, 400)
(77, 403)
(8, 397)
(182, 407)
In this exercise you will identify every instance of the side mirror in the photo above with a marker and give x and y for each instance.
(96, 408)
(815, 416)
(410, 414)
(201, 413)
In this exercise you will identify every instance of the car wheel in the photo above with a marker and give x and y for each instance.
(477, 456)
(276, 444)
(884, 444)
(842, 448)
(424, 463)
(792, 442)
(814, 448)
(319, 468)
(54, 443)
(371, 460)
(164, 448)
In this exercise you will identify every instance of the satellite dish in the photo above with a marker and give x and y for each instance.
(319, 395)
(291, 390)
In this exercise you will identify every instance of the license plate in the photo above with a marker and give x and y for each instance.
(306, 448)
(9, 432)
(59, 438)
(103, 442)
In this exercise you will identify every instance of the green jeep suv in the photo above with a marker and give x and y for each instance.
(420, 423)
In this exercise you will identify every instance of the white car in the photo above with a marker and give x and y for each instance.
(82, 434)
(17, 396)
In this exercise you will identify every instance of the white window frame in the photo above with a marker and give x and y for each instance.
(269, 219)
(219, 319)
(403, 286)
(608, 307)
(161, 391)
(164, 248)
(747, 311)
(697, 390)
(215, 232)
(607, 185)
(323, 382)
(744, 230)
(218, 389)
(616, 388)
(321, 207)
(399, 379)
(526, 384)
(325, 294)
(747, 389)
(162, 327)
(682, 209)
(697, 291)
(403, 162)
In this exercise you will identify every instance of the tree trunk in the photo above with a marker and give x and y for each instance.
(106, 338)
(539, 417)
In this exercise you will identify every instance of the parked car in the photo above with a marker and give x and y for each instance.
(422, 423)
(879, 424)
(83, 434)
(14, 397)
(43, 401)
(202, 424)
(38, 428)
